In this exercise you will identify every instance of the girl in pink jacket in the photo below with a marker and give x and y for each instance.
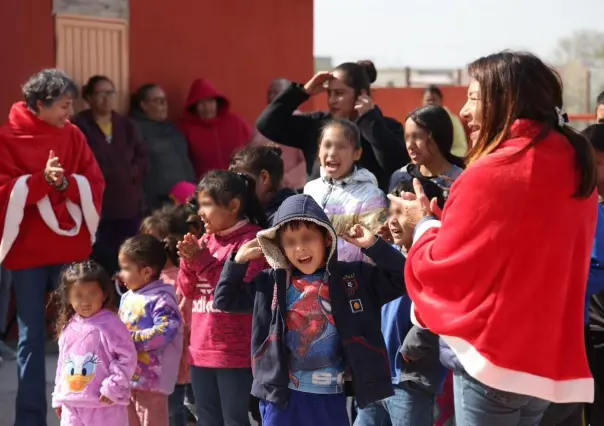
(97, 357)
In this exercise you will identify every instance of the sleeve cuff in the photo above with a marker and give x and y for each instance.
(373, 114)
(424, 225)
(234, 271)
(297, 89)
(374, 249)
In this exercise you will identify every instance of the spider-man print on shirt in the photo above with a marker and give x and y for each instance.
(316, 364)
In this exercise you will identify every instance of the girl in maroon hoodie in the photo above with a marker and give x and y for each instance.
(220, 342)
(214, 133)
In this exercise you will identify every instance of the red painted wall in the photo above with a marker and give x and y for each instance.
(26, 45)
(239, 45)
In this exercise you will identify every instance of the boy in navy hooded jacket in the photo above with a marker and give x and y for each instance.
(316, 320)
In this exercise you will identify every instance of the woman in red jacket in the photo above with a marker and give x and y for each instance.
(502, 277)
(214, 133)
(51, 190)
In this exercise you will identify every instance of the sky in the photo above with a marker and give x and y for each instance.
(446, 33)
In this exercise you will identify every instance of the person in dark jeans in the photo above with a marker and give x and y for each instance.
(123, 159)
(51, 192)
(6, 352)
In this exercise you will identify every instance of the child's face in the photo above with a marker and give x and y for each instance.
(402, 233)
(215, 217)
(132, 275)
(305, 248)
(420, 146)
(600, 171)
(337, 154)
(86, 298)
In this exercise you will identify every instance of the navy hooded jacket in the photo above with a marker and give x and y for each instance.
(357, 290)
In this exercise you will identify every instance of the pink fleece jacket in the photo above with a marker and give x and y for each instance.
(96, 357)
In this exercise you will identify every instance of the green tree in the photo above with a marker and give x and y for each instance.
(586, 46)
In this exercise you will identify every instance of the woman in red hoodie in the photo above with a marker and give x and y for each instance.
(502, 277)
(51, 190)
(214, 133)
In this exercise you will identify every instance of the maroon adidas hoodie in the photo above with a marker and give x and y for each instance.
(218, 339)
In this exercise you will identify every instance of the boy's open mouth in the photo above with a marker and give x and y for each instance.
(305, 260)
(395, 231)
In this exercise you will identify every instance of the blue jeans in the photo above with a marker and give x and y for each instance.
(5, 281)
(307, 409)
(222, 395)
(477, 404)
(31, 287)
(410, 406)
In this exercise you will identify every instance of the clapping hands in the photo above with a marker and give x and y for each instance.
(189, 248)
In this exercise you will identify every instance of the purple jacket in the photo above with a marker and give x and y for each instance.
(96, 357)
(152, 316)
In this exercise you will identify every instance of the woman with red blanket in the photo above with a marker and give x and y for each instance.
(50, 198)
(502, 276)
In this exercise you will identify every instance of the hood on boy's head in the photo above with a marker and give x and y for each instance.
(296, 207)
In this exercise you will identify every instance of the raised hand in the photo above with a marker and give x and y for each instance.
(53, 170)
(249, 251)
(384, 233)
(359, 236)
(316, 84)
(364, 104)
(413, 207)
(189, 248)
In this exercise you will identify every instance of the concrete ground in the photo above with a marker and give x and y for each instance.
(8, 388)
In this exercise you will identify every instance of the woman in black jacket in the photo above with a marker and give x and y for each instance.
(348, 96)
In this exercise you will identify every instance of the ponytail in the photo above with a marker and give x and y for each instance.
(253, 209)
(224, 186)
(170, 246)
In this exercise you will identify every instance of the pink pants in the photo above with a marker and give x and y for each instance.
(114, 415)
(148, 409)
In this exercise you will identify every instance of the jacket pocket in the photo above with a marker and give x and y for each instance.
(359, 354)
(269, 365)
(369, 384)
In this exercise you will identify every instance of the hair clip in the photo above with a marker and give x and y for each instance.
(562, 117)
(244, 177)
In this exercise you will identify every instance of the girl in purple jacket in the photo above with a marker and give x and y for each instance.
(97, 357)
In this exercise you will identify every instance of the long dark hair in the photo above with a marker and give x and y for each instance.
(518, 85)
(74, 274)
(359, 75)
(224, 186)
(437, 122)
(141, 95)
